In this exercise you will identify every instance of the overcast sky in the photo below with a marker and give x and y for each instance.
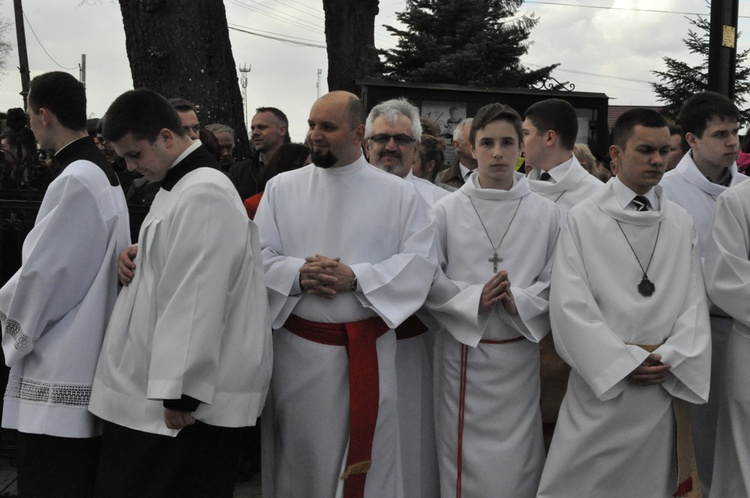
(607, 46)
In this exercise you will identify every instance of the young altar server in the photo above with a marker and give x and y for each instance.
(186, 360)
(497, 240)
(629, 315)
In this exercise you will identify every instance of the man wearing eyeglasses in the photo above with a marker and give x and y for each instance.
(392, 132)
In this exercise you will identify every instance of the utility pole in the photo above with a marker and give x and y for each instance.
(243, 81)
(722, 49)
(23, 59)
(82, 70)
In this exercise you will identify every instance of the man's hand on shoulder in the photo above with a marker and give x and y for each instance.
(125, 264)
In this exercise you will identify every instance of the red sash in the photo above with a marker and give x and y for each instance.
(364, 393)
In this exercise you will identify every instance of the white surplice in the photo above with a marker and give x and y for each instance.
(689, 188)
(572, 185)
(54, 310)
(414, 371)
(379, 226)
(727, 271)
(487, 394)
(614, 438)
(194, 319)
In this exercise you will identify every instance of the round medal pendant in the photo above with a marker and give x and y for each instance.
(646, 287)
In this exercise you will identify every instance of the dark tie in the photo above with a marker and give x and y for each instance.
(641, 203)
(544, 177)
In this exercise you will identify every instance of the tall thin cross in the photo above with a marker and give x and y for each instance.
(495, 260)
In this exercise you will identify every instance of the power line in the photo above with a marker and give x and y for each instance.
(45, 50)
(277, 38)
(627, 9)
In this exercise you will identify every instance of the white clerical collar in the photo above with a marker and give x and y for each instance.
(556, 173)
(186, 152)
(464, 171)
(624, 196)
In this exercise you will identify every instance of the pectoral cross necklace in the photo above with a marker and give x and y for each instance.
(646, 287)
(495, 259)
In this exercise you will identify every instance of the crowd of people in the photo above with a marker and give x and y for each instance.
(525, 322)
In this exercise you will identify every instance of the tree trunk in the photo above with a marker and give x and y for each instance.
(181, 48)
(350, 37)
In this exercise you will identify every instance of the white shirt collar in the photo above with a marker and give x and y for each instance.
(625, 196)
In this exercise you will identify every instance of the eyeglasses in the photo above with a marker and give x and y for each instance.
(400, 139)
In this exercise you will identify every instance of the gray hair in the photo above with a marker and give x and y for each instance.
(391, 110)
(459, 129)
(218, 127)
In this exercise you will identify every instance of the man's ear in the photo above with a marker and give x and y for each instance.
(691, 139)
(615, 153)
(366, 147)
(550, 137)
(167, 136)
(45, 116)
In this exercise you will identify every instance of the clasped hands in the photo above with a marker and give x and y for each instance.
(495, 291)
(325, 277)
(651, 372)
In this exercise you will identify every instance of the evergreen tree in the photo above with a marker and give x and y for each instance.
(680, 80)
(462, 42)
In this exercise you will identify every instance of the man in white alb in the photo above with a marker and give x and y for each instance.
(710, 122)
(629, 315)
(349, 252)
(54, 310)
(550, 129)
(392, 132)
(727, 271)
(186, 359)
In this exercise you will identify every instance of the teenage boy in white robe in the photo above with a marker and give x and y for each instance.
(55, 309)
(710, 123)
(497, 240)
(186, 360)
(550, 128)
(630, 316)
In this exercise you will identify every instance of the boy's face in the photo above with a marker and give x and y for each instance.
(642, 161)
(719, 145)
(496, 148)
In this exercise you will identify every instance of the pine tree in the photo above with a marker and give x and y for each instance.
(680, 80)
(476, 43)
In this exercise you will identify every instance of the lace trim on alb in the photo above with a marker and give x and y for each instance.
(13, 329)
(51, 394)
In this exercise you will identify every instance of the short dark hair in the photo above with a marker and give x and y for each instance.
(281, 119)
(623, 128)
(699, 109)
(142, 113)
(182, 105)
(557, 115)
(495, 112)
(61, 94)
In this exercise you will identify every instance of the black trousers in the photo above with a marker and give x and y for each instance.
(56, 466)
(200, 462)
